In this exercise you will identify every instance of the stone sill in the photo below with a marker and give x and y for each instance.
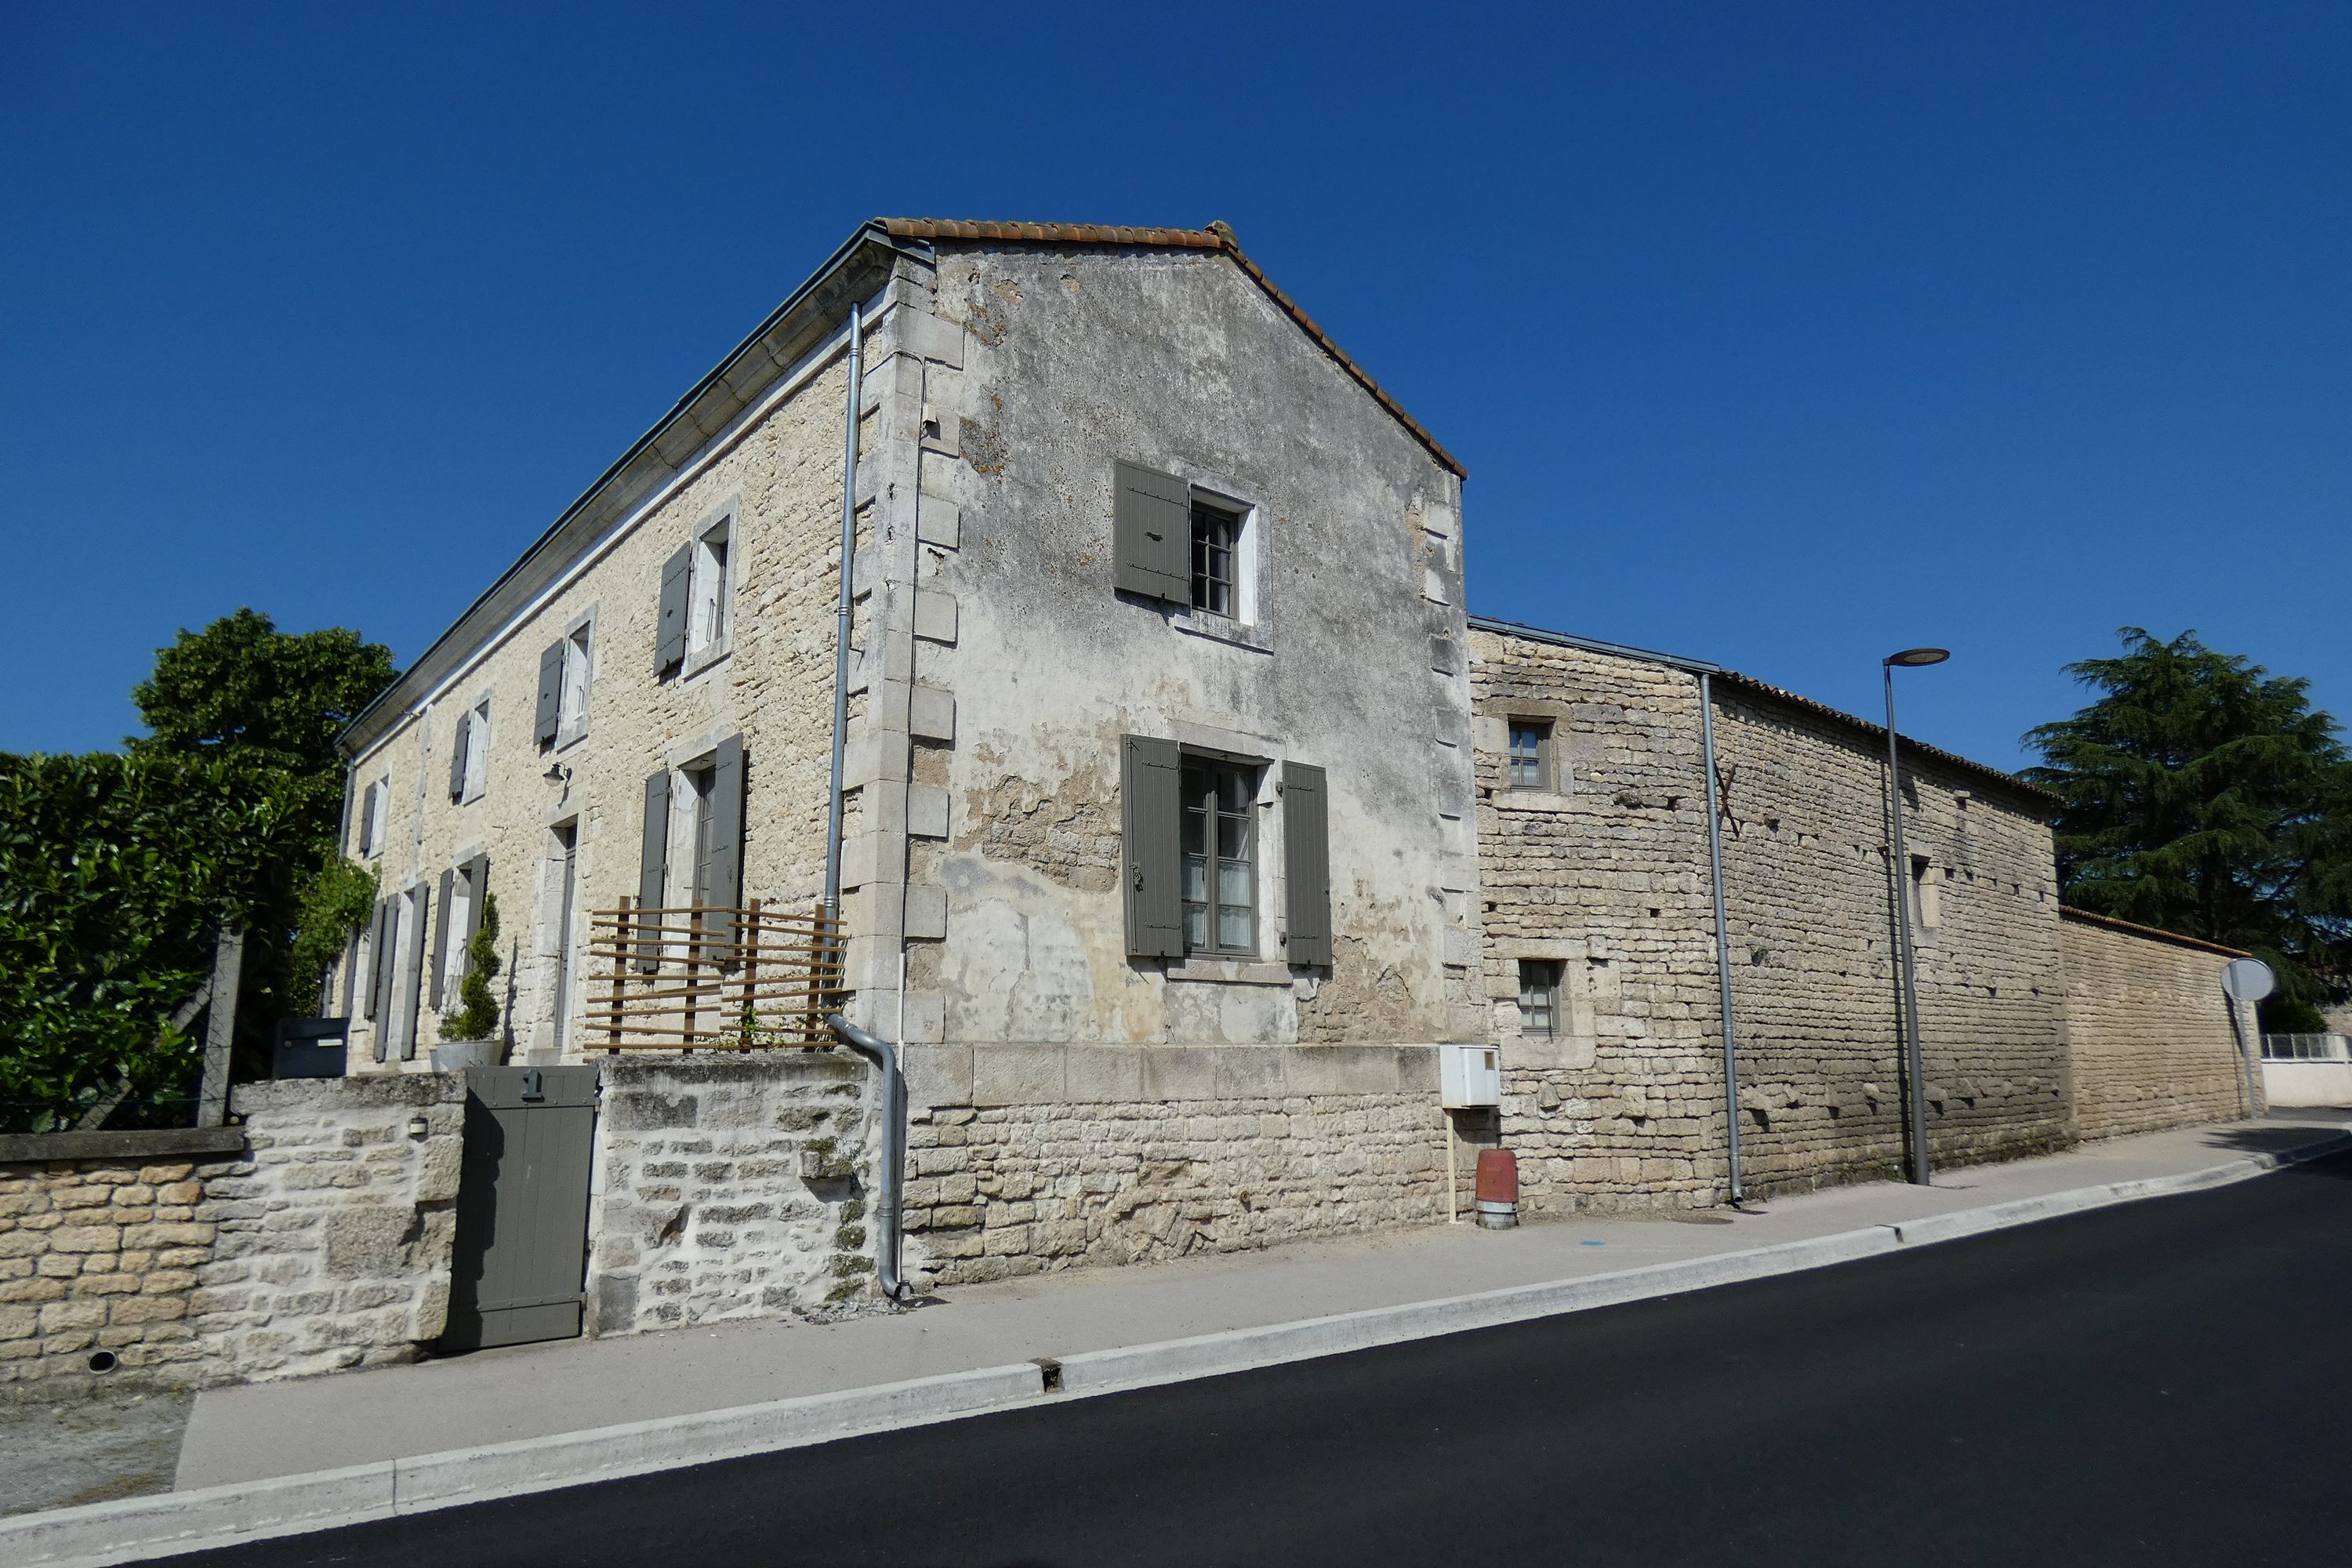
(1530, 800)
(130, 1144)
(1217, 628)
(1229, 972)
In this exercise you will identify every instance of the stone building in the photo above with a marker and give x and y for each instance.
(1186, 819)
(1601, 966)
(1157, 841)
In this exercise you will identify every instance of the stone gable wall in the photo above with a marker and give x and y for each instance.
(2150, 1026)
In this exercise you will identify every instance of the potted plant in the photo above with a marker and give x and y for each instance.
(470, 1035)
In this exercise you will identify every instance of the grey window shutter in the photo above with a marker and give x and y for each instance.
(441, 939)
(1152, 813)
(416, 975)
(367, 824)
(653, 867)
(1152, 534)
(1306, 864)
(478, 883)
(551, 691)
(457, 744)
(377, 968)
(671, 647)
(387, 965)
(721, 872)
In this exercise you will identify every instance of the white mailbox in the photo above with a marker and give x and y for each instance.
(1469, 1076)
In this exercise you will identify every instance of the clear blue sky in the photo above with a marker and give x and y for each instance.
(1780, 334)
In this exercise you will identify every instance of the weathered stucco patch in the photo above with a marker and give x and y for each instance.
(1067, 831)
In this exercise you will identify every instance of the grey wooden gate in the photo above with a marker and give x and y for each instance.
(522, 1206)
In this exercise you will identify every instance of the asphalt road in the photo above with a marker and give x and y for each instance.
(2164, 1383)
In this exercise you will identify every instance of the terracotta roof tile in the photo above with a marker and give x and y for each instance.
(1216, 237)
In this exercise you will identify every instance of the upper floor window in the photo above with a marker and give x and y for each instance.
(1217, 540)
(698, 585)
(1182, 545)
(470, 752)
(563, 669)
(375, 803)
(1531, 761)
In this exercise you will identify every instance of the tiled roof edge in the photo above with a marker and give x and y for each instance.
(2068, 912)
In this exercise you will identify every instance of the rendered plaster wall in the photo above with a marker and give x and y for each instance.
(1040, 368)
(773, 684)
(2150, 1027)
(1606, 874)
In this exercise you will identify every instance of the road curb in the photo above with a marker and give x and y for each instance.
(138, 1528)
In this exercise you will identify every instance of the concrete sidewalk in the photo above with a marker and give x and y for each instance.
(265, 1430)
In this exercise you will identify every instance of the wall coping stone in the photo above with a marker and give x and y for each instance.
(129, 1144)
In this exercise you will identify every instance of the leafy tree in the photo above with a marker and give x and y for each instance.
(478, 1014)
(2205, 795)
(115, 873)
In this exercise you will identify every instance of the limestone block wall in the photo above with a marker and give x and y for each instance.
(730, 1187)
(2149, 1028)
(1605, 873)
(779, 475)
(100, 1259)
(1043, 1158)
(331, 1240)
(1814, 980)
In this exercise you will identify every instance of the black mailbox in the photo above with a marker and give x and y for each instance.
(310, 1048)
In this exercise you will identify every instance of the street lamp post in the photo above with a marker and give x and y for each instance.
(1913, 1069)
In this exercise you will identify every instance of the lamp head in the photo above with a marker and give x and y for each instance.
(1913, 657)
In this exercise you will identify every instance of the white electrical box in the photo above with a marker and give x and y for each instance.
(1469, 1076)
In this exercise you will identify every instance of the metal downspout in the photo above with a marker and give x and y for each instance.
(841, 618)
(1722, 936)
(894, 1151)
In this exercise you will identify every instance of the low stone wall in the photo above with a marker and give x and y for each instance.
(2150, 1029)
(728, 1187)
(1023, 1158)
(99, 1254)
(333, 1237)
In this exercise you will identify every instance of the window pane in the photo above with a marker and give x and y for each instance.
(1196, 878)
(1196, 926)
(1232, 883)
(1196, 831)
(1233, 927)
(1233, 789)
(1232, 836)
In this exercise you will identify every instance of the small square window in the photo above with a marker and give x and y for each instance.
(1220, 850)
(1530, 759)
(1540, 997)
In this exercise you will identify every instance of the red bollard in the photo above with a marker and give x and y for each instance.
(1498, 1189)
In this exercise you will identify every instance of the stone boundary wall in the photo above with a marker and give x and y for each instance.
(99, 1257)
(1604, 872)
(1028, 1158)
(322, 1242)
(728, 1187)
(2150, 1029)
(332, 1237)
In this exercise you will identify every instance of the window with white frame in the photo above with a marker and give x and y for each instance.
(376, 805)
(708, 588)
(572, 705)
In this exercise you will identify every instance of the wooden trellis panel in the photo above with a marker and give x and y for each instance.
(707, 978)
